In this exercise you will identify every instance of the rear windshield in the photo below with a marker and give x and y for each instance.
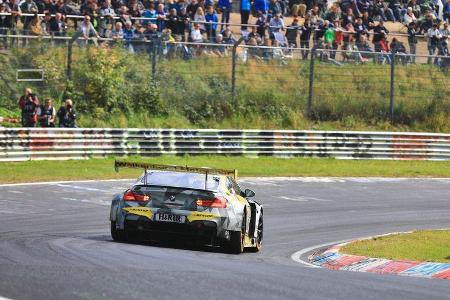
(173, 197)
(185, 180)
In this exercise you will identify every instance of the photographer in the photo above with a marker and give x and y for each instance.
(46, 114)
(66, 115)
(28, 104)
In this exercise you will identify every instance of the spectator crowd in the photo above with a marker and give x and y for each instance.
(34, 114)
(341, 25)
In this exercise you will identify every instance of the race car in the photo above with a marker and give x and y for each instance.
(200, 205)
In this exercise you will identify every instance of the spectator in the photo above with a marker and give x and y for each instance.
(172, 21)
(149, 13)
(66, 115)
(292, 33)
(28, 7)
(211, 25)
(192, 8)
(200, 17)
(412, 40)
(106, 18)
(261, 24)
(87, 29)
(415, 8)
(35, 28)
(305, 37)
(57, 26)
(276, 25)
(261, 6)
(446, 11)
(129, 36)
(196, 34)
(409, 16)
(433, 35)
(379, 33)
(183, 24)
(117, 32)
(245, 13)
(298, 8)
(161, 17)
(28, 104)
(46, 114)
(225, 9)
(445, 32)
(5, 22)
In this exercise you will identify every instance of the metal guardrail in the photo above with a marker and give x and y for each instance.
(20, 144)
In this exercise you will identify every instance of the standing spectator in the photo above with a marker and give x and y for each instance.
(211, 25)
(14, 9)
(117, 32)
(412, 40)
(35, 28)
(379, 33)
(183, 24)
(107, 15)
(28, 104)
(46, 114)
(149, 14)
(66, 115)
(128, 36)
(261, 6)
(28, 7)
(225, 8)
(445, 32)
(5, 22)
(305, 37)
(446, 11)
(292, 33)
(58, 27)
(87, 29)
(276, 25)
(433, 35)
(192, 8)
(245, 13)
(161, 17)
(172, 20)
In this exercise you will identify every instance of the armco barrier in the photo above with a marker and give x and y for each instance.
(18, 144)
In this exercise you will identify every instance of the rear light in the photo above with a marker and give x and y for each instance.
(132, 196)
(219, 202)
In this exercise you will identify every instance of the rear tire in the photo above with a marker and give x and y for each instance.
(117, 234)
(236, 243)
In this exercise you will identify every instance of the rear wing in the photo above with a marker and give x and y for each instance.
(207, 171)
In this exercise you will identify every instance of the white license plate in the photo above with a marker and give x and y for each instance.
(170, 218)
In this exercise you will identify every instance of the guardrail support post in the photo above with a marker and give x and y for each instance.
(311, 84)
(233, 73)
(391, 94)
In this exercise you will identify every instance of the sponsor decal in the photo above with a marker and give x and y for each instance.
(140, 211)
(199, 216)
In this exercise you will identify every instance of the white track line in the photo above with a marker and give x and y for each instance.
(297, 256)
(64, 182)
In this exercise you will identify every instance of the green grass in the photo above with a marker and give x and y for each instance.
(264, 166)
(422, 245)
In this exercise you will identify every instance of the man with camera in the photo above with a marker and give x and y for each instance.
(46, 114)
(28, 104)
(66, 115)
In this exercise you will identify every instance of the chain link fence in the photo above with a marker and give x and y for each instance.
(203, 79)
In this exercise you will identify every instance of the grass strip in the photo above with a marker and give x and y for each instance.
(421, 245)
(32, 171)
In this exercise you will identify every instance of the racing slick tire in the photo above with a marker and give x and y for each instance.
(116, 234)
(260, 228)
(236, 243)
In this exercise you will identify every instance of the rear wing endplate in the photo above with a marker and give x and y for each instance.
(146, 166)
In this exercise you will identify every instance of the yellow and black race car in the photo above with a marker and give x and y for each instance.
(201, 205)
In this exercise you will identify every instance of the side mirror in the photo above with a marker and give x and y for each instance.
(249, 193)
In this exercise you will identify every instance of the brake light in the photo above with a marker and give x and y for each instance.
(132, 196)
(218, 202)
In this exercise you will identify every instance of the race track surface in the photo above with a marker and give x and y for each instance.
(55, 243)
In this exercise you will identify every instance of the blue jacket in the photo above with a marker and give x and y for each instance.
(245, 5)
(225, 3)
(261, 5)
(213, 19)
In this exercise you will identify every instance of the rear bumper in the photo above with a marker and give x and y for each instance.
(202, 232)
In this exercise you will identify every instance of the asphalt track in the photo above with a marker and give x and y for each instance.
(55, 243)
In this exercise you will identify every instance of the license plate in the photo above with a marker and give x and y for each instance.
(170, 218)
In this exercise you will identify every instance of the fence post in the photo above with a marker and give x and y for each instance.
(154, 52)
(391, 94)
(233, 72)
(311, 84)
(69, 53)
